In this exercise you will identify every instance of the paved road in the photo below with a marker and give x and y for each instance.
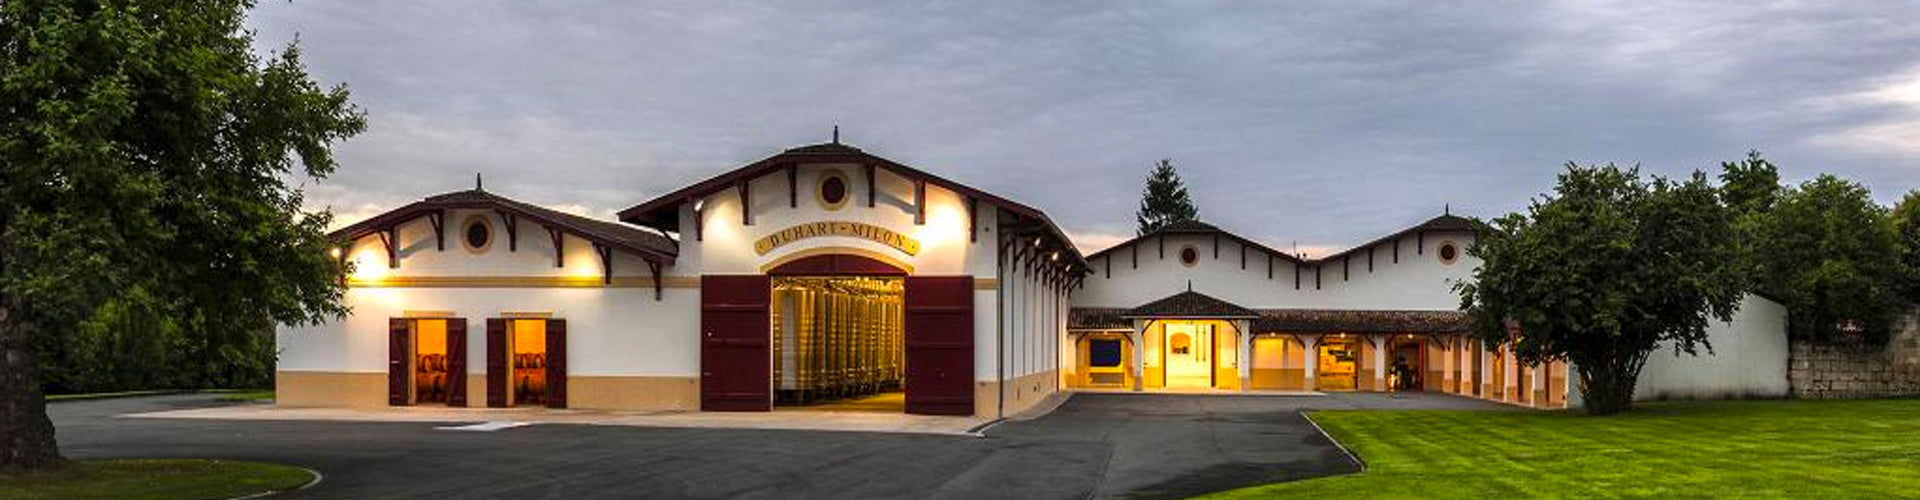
(1105, 446)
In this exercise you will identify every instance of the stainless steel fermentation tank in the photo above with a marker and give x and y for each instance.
(837, 337)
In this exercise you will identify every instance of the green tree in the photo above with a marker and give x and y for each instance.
(1829, 253)
(1602, 272)
(145, 159)
(1165, 199)
(1906, 226)
(1750, 185)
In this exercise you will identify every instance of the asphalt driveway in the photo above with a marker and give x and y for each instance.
(1095, 445)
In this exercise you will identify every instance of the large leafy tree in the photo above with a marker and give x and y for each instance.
(1165, 200)
(1831, 255)
(1906, 226)
(1604, 271)
(145, 159)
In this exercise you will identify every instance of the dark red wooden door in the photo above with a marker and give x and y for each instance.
(497, 362)
(939, 319)
(399, 362)
(456, 361)
(734, 365)
(556, 363)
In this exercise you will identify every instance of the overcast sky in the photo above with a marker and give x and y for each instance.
(1323, 124)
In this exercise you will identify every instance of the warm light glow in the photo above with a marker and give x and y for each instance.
(369, 265)
(334, 252)
(699, 204)
(1056, 256)
(946, 224)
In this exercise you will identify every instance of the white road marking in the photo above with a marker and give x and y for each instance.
(485, 426)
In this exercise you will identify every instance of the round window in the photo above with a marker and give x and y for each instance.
(1189, 256)
(477, 234)
(833, 190)
(1449, 253)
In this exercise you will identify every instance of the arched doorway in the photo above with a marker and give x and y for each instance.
(837, 327)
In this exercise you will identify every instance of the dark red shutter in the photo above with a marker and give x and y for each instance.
(556, 363)
(939, 319)
(456, 361)
(398, 362)
(497, 362)
(734, 371)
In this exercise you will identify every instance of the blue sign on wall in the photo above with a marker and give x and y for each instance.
(1103, 353)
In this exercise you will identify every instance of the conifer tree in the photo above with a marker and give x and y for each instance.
(1165, 199)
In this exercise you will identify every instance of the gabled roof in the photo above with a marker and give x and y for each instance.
(1190, 304)
(662, 212)
(645, 243)
(1444, 223)
(1194, 227)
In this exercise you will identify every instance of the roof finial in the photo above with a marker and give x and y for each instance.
(1189, 285)
(1446, 209)
(476, 182)
(836, 133)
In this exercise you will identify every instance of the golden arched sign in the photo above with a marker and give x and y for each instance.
(860, 230)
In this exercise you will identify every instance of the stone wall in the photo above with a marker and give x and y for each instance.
(1844, 372)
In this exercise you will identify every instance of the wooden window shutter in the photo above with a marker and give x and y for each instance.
(456, 361)
(496, 362)
(399, 362)
(556, 363)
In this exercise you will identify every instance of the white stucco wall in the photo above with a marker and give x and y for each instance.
(1749, 359)
(1420, 280)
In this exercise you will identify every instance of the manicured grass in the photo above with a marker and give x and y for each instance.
(248, 396)
(152, 479)
(1778, 449)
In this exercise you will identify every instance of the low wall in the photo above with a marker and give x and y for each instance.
(1749, 359)
(1821, 371)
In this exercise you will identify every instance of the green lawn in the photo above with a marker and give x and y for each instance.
(248, 396)
(153, 479)
(1781, 449)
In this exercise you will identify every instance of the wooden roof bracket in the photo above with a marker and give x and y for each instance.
(746, 202)
(1420, 238)
(559, 246)
(973, 223)
(606, 262)
(390, 238)
(919, 202)
(872, 194)
(439, 220)
(513, 229)
(653, 266)
(793, 186)
(698, 219)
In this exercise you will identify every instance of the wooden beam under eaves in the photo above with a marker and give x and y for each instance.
(606, 262)
(793, 186)
(390, 238)
(513, 229)
(438, 219)
(559, 246)
(872, 195)
(746, 202)
(919, 202)
(654, 268)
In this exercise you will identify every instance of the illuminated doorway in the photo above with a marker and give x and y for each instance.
(839, 342)
(1337, 368)
(432, 381)
(1405, 366)
(527, 340)
(1189, 357)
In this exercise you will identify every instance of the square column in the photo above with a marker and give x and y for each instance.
(1380, 344)
(1539, 385)
(1312, 343)
(1509, 372)
(1448, 347)
(1134, 367)
(1245, 356)
(1484, 389)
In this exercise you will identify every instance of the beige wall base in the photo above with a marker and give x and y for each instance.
(1022, 394)
(359, 390)
(362, 390)
(633, 393)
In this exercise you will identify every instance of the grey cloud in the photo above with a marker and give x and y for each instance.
(1325, 123)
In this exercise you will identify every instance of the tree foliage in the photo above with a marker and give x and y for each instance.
(1602, 272)
(145, 159)
(1905, 220)
(1828, 252)
(1165, 200)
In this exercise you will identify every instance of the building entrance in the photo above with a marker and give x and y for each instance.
(839, 341)
(1337, 368)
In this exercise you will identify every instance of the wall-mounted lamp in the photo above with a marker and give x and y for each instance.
(334, 252)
